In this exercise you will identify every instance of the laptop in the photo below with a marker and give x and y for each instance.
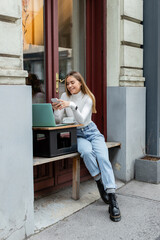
(42, 115)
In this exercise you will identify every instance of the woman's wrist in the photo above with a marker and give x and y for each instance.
(73, 106)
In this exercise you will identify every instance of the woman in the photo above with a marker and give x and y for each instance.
(79, 102)
(38, 95)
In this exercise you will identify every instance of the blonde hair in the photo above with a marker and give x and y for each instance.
(84, 88)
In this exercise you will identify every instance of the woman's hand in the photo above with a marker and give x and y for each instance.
(62, 104)
(55, 105)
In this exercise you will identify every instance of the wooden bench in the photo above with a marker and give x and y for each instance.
(76, 166)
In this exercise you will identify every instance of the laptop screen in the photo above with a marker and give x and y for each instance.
(42, 115)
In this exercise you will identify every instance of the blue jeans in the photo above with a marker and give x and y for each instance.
(93, 150)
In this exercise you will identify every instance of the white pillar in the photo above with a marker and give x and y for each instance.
(126, 95)
(16, 171)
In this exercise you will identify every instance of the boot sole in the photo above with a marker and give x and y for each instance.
(114, 218)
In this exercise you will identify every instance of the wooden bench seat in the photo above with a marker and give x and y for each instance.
(76, 166)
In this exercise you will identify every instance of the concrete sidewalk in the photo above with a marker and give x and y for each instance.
(140, 208)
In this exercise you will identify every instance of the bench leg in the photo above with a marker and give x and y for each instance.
(76, 178)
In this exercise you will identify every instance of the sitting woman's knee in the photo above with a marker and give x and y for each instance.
(86, 153)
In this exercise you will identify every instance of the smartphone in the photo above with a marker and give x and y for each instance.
(54, 100)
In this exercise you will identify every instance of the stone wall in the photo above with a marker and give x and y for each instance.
(16, 171)
(126, 94)
(11, 65)
(131, 61)
(125, 43)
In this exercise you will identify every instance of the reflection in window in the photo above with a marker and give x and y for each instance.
(33, 46)
(65, 39)
(71, 29)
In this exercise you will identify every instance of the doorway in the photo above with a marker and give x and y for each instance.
(66, 35)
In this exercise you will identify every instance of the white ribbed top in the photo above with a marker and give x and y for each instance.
(84, 112)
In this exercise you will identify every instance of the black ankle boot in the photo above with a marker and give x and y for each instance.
(114, 211)
(103, 193)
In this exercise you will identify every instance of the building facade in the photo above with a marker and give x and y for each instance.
(151, 73)
(16, 171)
(126, 94)
(101, 39)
